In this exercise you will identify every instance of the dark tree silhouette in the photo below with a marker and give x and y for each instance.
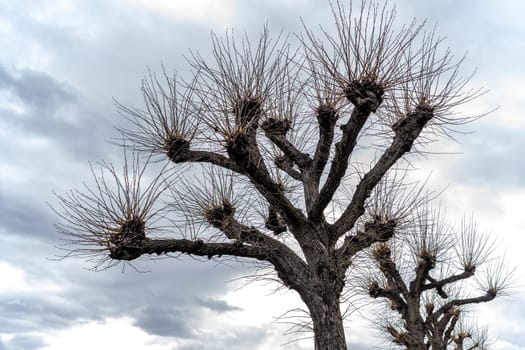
(430, 277)
(290, 145)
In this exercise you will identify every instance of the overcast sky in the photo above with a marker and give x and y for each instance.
(62, 63)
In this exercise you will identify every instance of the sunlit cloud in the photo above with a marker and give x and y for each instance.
(112, 333)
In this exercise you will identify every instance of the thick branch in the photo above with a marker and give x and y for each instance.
(343, 150)
(442, 330)
(392, 294)
(301, 159)
(366, 96)
(190, 156)
(286, 165)
(273, 193)
(326, 117)
(134, 250)
(475, 300)
(374, 232)
(475, 346)
(451, 327)
(451, 279)
(490, 295)
(291, 269)
(246, 234)
(426, 262)
(406, 132)
(388, 268)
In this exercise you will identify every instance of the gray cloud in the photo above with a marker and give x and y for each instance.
(50, 133)
(157, 304)
(24, 342)
(165, 320)
(36, 89)
(492, 156)
(218, 305)
(67, 115)
(25, 217)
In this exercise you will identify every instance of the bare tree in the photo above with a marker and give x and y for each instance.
(288, 144)
(429, 279)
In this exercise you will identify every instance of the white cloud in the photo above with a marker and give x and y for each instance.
(261, 306)
(505, 345)
(13, 278)
(16, 280)
(113, 333)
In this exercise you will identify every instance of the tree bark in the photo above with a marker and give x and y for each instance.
(416, 337)
(328, 324)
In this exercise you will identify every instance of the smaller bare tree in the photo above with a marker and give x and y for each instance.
(428, 280)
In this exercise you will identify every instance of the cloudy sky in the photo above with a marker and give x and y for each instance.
(63, 61)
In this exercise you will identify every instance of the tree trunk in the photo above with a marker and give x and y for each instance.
(328, 324)
(414, 347)
(415, 337)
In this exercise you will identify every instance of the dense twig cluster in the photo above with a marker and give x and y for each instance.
(120, 210)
